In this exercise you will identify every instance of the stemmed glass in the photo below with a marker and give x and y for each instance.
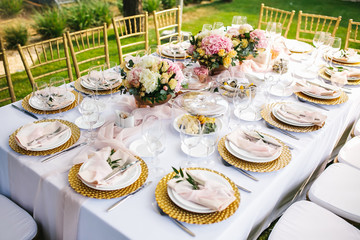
(242, 101)
(206, 27)
(90, 114)
(111, 75)
(238, 20)
(58, 92)
(95, 76)
(190, 135)
(41, 92)
(154, 135)
(175, 44)
(209, 140)
(334, 48)
(217, 25)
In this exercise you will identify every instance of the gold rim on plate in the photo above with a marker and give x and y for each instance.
(170, 57)
(342, 99)
(75, 135)
(171, 209)
(26, 105)
(86, 191)
(267, 115)
(325, 76)
(342, 63)
(77, 85)
(282, 161)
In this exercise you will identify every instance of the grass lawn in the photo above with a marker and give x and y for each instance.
(195, 16)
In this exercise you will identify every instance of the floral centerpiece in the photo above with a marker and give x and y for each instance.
(212, 49)
(247, 41)
(154, 80)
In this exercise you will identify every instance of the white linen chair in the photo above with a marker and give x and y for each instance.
(349, 153)
(15, 222)
(306, 220)
(338, 190)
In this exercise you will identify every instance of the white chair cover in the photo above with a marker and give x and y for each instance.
(306, 220)
(338, 190)
(357, 128)
(350, 152)
(15, 222)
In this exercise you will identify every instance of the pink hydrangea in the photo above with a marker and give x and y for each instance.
(259, 36)
(201, 71)
(133, 77)
(213, 43)
(233, 32)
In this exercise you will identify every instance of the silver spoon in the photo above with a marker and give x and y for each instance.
(314, 104)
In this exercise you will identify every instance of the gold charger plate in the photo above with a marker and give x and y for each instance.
(77, 85)
(342, 63)
(26, 105)
(170, 208)
(342, 99)
(75, 135)
(267, 115)
(86, 191)
(325, 76)
(282, 161)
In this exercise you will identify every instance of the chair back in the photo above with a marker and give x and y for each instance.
(46, 59)
(270, 14)
(309, 24)
(92, 41)
(135, 28)
(353, 36)
(167, 20)
(6, 86)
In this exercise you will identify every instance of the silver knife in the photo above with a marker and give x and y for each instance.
(119, 170)
(62, 152)
(246, 174)
(129, 195)
(25, 111)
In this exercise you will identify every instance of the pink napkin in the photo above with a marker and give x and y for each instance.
(317, 90)
(211, 194)
(34, 135)
(258, 148)
(96, 167)
(301, 116)
(353, 72)
(339, 77)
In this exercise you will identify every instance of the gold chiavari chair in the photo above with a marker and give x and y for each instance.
(8, 86)
(45, 59)
(270, 14)
(353, 35)
(135, 28)
(90, 41)
(167, 19)
(309, 24)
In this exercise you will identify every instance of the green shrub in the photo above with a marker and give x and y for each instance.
(151, 5)
(10, 7)
(16, 35)
(167, 4)
(79, 17)
(120, 6)
(50, 23)
(101, 12)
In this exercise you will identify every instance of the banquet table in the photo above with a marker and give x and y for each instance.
(41, 188)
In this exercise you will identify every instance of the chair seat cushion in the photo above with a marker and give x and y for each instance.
(306, 220)
(15, 222)
(350, 152)
(338, 190)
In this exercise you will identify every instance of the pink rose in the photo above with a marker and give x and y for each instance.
(165, 88)
(191, 49)
(133, 77)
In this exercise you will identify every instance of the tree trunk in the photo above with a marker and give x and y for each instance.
(131, 8)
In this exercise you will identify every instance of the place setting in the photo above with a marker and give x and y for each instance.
(175, 49)
(348, 58)
(352, 74)
(296, 46)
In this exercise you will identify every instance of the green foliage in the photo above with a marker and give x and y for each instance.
(50, 23)
(120, 6)
(79, 17)
(10, 7)
(101, 13)
(151, 5)
(167, 4)
(16, 35)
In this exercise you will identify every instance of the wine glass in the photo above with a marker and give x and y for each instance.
(206, 27)
(95, 78)
(210, 137)
(217, 25)
(111, 75)
(90, 115)
(190, 135)
(41, 94)
(278, 29)
(235, 21)
(154, 135)
(270, 29)
(174, 45)
(334, 48)
(58, 92)
(242, 100)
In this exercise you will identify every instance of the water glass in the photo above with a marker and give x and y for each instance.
(96, 77)
(242, 100)
(206, 27)
(41, 93)
(174, 45)
(90, 114)
(217, 25)
(112, 75)
(209, 140)
(58, 91)
(190, 135)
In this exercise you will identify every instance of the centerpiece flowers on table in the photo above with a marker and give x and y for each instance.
(212, 49)
(154, 80)
(247, 41)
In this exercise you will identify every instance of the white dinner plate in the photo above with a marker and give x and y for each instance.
(247, 156)
(320, 96)
(83, 125)
(351, 60)
(87, 85)
(34, 103)
(297, 46)
(126, 179)
(291, 121)
(191, 206)
(63, 139)
(218, 124)
(165, 50)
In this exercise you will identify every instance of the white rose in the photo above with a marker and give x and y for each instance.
(148, 61)
(245, 28)
(149, 80)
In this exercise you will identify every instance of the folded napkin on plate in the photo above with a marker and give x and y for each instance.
(317, 90)
(354, 73)
(135, 59)
(59, 98)
(167, 51)
(211, 194)
(339, 77)
(97, 168)
(301, 116)
(258, 148)
(32, 136)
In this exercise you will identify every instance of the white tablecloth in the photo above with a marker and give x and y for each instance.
(135, 218)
